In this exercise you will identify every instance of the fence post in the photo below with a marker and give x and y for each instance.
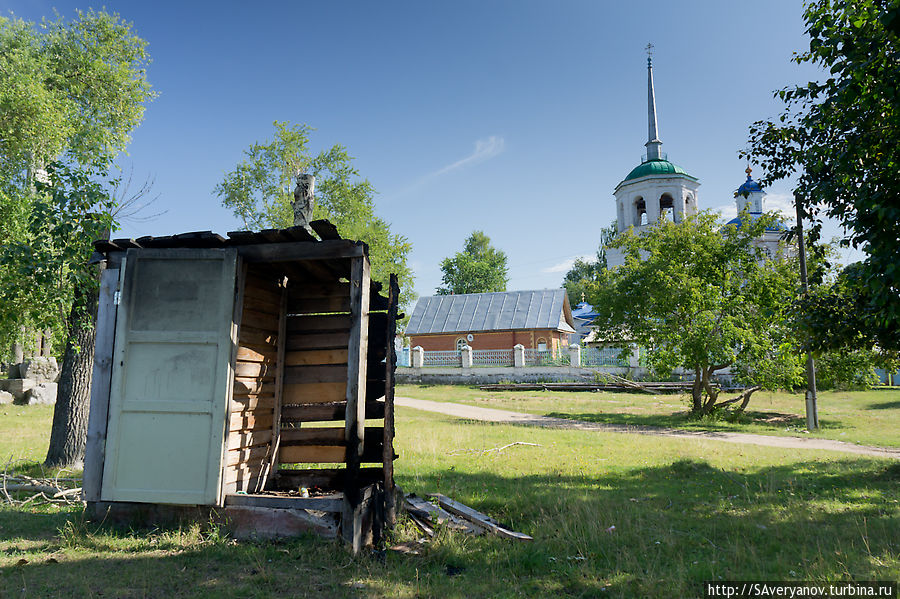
(417, 357)
(518, 356)
(466, 354)
(575, 355)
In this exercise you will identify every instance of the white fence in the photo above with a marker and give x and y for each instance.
(493, 358)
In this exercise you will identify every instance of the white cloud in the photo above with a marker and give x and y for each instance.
(566, 264)
(485, 149)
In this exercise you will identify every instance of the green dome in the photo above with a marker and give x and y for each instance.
(656, 167)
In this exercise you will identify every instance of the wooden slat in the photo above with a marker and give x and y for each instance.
(248, 403)
(99, 409)
(269, 295)
(260, 320)
(478, 518)
(245, 455)
(322, 504)
(326, 478)
(279, 386)
(254, 369)
(315, 305)
(315, 393)
(261, 305)
(244, 472)
(327, 411)
(390, 509)
(305, 289)
(322, 435)
(316, 356)
(304, 341)
(254, 386)
(331, 373)
(325, 454)
(300, 250)
(256, 354)
(241, 421)
(318, 322)
(241, 439)
(253, 336)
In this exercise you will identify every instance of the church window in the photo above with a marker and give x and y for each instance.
(667, 208)
(640, 209)
(542, 344)
(461, 343)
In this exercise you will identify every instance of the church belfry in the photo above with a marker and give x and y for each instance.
(656, 189)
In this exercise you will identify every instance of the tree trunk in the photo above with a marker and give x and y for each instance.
(70, 416)
(697, 392)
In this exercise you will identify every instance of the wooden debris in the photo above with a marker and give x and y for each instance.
(41, 490)
(432, 514)
(478, 518)
(497, 449)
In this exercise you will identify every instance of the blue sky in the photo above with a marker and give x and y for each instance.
(515, 117)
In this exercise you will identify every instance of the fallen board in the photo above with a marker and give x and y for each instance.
(433, 514)
(478, 518)
(662, 387)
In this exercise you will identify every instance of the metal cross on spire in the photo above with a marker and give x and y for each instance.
(653, 142)
(649, 49)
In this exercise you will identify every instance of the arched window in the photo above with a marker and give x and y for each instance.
(640, 209)
(542, 344)
(461, 343)
(666, 208)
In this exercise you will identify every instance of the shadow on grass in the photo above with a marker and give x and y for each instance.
(657, 531)
(888, 405)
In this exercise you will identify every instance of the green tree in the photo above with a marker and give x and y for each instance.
(841, 138)
(70, 95)
(479, 268)
(260, 189)
(584, 273)
(699, 296)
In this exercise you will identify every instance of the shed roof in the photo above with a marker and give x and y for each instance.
(498, 311)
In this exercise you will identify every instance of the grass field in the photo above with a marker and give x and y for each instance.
(864, 417)
(612, 516)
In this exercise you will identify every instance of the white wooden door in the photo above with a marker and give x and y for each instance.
(170, 379)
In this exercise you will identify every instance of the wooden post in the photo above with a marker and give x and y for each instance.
(355, 422)
(100, 385)
(237, 313)
(390, 364)
(279, 383)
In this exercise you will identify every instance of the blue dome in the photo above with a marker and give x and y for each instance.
(749, 186)
(776, 226)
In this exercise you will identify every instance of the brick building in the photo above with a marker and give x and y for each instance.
(536, 319)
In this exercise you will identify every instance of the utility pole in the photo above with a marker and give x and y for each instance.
(812, 410)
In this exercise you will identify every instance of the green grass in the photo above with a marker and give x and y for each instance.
(684, 511)
(863, 417)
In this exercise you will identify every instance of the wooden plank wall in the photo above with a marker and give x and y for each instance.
(315, 384)
(253, 400)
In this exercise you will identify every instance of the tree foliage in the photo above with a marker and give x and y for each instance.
(70, 95)
(260, 189)
(699, 296)
(584, 273)
(841, 138)
(479, 268)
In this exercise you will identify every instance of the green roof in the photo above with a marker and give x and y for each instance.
(656, 167)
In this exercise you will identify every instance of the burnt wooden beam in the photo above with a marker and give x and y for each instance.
(390, 509)
(324, 478)
(325, 229)
(330, 503)
(300, 250)
(322, 412)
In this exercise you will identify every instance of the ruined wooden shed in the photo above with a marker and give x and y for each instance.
(247, 378)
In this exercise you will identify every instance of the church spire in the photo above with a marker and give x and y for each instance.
(653, 142)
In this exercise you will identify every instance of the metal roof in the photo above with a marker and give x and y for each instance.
(498, 311)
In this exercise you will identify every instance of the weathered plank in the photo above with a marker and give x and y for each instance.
(312, 454)
(318, 322)
(316, 356)
(326, 373)
(314, 393)
(260, 320)
(478, 518)
(300, 250)
(436, 515)
(306, 289)
(100, 386)
(279, 386)
(327, 411)
(241, 421)
(256, 354)
(390, 509)
(245, 455)
(243, 472)
(331, 503)
(254, 369)
(316, 305)
(253, 387)
(241, 439)
(323, 435)
(326, 478)
(269, 296)
(252, 336)
(332, 340)
(245, 403)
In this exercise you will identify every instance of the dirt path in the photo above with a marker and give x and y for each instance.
(507, 417)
